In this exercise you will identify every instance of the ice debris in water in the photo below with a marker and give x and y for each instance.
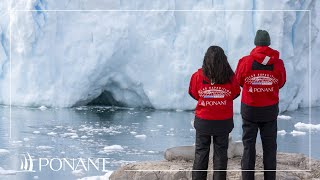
(4, 152)
(303, 126)
(297, 133)
(133, 132)
(52, 133)
(282, 132)
(7, 172)
(42, 108)
(284, 117)
(113, 148)
(78, 172)
(140, 136)
(44, 147)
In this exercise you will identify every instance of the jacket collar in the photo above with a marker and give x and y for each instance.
(264, 55)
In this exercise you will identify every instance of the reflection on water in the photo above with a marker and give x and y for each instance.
(119, 135)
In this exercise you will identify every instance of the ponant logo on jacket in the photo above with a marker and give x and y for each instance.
(214, 92)
(261, 79)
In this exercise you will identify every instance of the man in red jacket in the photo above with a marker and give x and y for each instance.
(261, 74)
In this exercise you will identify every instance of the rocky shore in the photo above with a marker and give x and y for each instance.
(177, 164)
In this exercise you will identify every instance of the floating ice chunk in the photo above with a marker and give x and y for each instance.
(133, 132)
(170, 134)
(113, 148)
(7, 172)
(52, 133)
(4, 152)
(26, 139)
(81, 108)
(284, 117)
(282, 132)
(179, 110)
(74, 136)
(68, 134)
(35, 177)
(72, 130)
(140, 136)
(78, 172)
(171, 129)
(297, 133)
(44, 147)
(303, 126)
(16, 142)
(160, 125)
(59, 127)
(84, 137)
(153, 130)
(43, 108)
(148, 117)
(36, 132)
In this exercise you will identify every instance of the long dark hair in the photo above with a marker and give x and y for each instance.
(216, 66)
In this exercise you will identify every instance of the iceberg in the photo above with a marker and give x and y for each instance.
(145, 58)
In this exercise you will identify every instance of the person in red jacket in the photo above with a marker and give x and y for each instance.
(261, 74)
(214, 87)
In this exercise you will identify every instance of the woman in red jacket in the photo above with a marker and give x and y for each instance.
(214, 87)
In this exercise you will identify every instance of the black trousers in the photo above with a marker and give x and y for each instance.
(220, 157)
(268, 133)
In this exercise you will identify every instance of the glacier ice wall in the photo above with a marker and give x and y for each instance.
(144, 58)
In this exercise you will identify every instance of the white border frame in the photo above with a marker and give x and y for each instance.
(169, 10)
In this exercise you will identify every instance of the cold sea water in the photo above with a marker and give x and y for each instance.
(53, 137)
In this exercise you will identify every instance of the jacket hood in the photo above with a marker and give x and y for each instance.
(264, 55)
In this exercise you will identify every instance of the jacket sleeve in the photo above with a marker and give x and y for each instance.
(283, 76)
(235, 88)
(193, 91)
(239, 74)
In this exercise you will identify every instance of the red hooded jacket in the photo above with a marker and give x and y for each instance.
(261, 74)
(215, 101)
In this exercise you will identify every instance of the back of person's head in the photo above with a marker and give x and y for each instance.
(216, 66)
